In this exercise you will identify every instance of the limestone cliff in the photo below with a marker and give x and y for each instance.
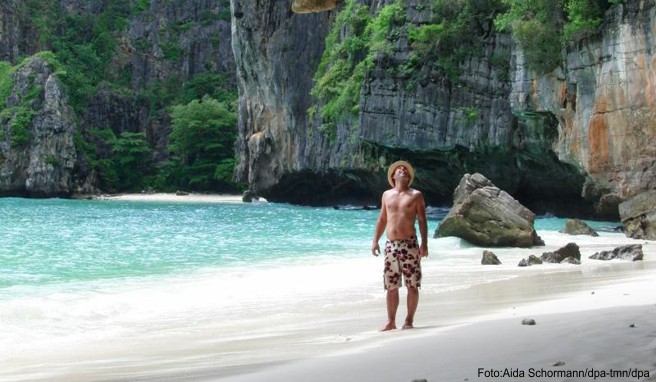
(577, 138)
(605, 104)
(276, 52)
(37, 154)
(156, 47)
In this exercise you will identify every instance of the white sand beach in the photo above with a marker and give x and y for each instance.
(588, 327)
(174, 197)
(607, 332)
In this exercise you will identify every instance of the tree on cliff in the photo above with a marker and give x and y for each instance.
(132, 160)
(201, 145)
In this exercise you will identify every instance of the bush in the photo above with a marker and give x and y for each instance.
(541, 27)
(6, 82)
(20, 118)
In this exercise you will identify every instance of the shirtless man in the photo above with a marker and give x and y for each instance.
(400, 207)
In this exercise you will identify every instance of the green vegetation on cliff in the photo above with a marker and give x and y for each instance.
(132, 160)
(542, 27)
(452, 35)
(201, 143)
(19, 118)
(5, 81)
(83, 43)
(17, 115)
(358, 42)
(340, 74)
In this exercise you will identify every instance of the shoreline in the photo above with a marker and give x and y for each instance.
(174, 197)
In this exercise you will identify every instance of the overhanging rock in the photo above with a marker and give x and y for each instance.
(313, 6)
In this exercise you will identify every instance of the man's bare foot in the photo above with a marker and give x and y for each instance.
(389, 326)
(408, 325)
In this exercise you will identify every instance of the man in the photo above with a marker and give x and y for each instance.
(400, 207)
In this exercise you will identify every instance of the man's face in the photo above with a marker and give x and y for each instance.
(400, 172)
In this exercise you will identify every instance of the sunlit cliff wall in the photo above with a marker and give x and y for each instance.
(578, 138)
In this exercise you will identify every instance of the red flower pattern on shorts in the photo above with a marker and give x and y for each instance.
(402, 258)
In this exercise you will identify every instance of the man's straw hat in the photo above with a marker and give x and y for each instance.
(392, 168)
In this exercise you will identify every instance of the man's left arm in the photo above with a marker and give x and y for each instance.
(423, 225)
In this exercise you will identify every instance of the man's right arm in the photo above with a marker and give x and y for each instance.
(380, 227)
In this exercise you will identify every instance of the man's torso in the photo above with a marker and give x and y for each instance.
(401, 207)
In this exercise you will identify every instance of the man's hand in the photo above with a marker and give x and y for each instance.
(375, 249)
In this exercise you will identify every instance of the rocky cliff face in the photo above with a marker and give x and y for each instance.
(17, 35)
(37, 154)
(163, 46)
(276, 52)
(569, 141)
(160, 47)
(605, 104)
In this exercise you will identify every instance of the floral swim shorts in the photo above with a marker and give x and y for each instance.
(402, 258)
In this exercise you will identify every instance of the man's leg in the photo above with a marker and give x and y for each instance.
(392, 305)
(413, 301)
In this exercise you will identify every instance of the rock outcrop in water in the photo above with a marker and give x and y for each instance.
(578, 227)
(638, 215)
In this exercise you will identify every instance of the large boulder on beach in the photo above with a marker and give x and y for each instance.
(487, 216)
(638, 215)
(632, 252)
(578, 227)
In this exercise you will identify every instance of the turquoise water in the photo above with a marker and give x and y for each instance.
(54, 241)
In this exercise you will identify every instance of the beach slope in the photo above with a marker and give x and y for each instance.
(605, 334)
